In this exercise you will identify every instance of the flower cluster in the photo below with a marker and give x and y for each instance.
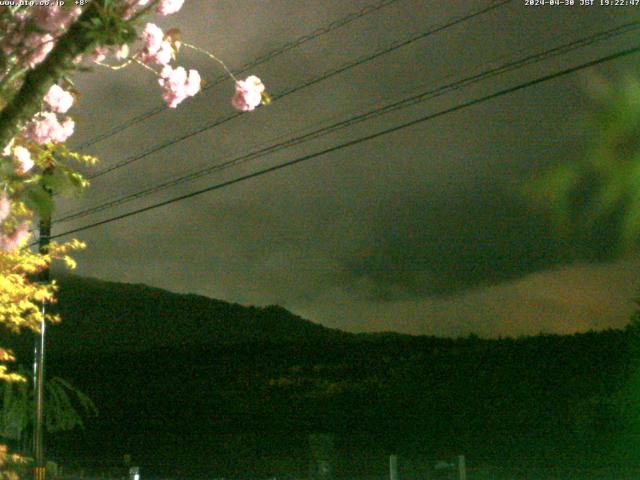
(14, 239)
(27, 35)
(45, 126)
(177, 84)
(164, 7)
(58, 100)
(55, 18)
(248, 94)
(156, 49)
(169, 7)
(23, 159)
(159, 48)
(5, 206)
(11, 237)
(30, 38)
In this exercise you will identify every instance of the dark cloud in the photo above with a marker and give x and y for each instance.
(421, 231)
(444, 243)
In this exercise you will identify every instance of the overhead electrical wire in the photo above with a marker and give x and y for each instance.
(359, 140)
(324, 76)
(335, 71)
(404, 103)
(258, 61)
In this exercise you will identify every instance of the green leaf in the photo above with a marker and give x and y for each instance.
(38, 200)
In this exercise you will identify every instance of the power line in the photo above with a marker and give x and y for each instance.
(313, 81)
(396, 45)
(359, 140)
(423, 96)
(258, 61)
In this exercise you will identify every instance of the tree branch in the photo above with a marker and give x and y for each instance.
(27, 102)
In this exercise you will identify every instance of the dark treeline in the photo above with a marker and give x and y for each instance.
(570, 400)
(185, 382)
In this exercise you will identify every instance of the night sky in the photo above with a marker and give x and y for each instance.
(419, 231)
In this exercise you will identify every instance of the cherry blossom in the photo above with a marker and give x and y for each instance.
(98, 55)
(37, 47)
(58, 99)
(13, 36)
(67, 129)
(122, 52)
(5, 206)
(248, 94)
(168, 7)
(45, 128)
(130, 7)
(54, 17)
(23, 158)
(15, 239)
(177, 85)
(156, 49)
(30, 34)
(6, 151)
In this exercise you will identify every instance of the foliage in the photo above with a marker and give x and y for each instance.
(20, 298)
(66, 407)
(11, 464)
(594, 203)
(527, 398)
(31, 170)
(41, 48)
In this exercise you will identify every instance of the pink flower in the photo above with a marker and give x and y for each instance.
(22, 156)
(54, 17)
(122, 52)
(156, 49)
(37, 46)
(17, 238)
(152, 37)
(131, 6)
(168, 7)
(45, 128)
(248, 94)
(177, 85)
(98, 55)
(68, 127)
(194, 82)
(58, 99)
(15, 30)
(5, 206)
(6, 151)
(13, 36)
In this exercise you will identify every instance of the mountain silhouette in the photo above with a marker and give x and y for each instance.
(107, 316)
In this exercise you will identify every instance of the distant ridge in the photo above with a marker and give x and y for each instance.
(104, 317)
(190, 380)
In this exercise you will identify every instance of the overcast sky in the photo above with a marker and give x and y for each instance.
(419, 231)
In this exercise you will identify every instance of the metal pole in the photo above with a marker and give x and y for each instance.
(393, 467)
(38, 443)
(38, 440)
(462, 468)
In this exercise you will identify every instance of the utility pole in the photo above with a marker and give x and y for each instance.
(38, 364)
